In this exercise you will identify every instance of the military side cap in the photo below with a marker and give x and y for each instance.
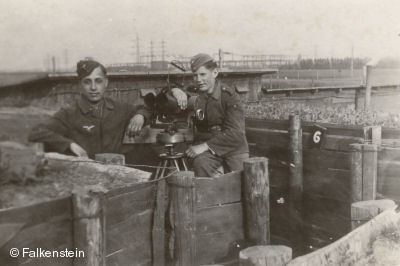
(199, 60)
(86, 66)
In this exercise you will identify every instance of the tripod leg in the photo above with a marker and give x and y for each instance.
(163, 168)
(158, 171)
(176, 165)
(184, 164)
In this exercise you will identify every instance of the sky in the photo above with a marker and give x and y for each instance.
(34, 30)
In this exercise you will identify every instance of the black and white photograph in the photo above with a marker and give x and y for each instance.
(199, 133)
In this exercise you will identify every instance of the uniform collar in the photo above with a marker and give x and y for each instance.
(109, 103)
(216, 94)
(85, 105)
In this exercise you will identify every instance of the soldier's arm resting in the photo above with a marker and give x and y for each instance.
(53, 133)
(135, 124)
(195, 150)
(139, 116)
(181, 97)
(78, 150)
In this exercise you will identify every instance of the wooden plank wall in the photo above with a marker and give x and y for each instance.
(388, 184)
(270, 139)
(46, 225)
(219, 218)
(49, 225)
(391, 133)
(129, 216)
(326, 173)
(326, 198)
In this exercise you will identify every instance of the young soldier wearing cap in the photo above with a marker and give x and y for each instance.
(94, 124)
(220, 139)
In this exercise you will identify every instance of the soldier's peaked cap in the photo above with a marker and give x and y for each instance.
(86, 66)
(199, 60)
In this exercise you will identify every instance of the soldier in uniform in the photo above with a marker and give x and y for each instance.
(220, 141)
(94, 123)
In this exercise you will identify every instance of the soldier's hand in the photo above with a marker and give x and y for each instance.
(196, 150)
(181, 97)
(135, 125)
(78, 150)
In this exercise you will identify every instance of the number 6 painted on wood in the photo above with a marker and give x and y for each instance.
(317, 136)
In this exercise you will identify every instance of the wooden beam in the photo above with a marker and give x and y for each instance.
(183, 207)
(256, 183)
(373, 134)
(364, 168)
(356, 172)
(296, 154)
(296, 179)
(158, 231)
(89, 225)
(363, 211)
(110, 158)
(370, 170)
(368, 86)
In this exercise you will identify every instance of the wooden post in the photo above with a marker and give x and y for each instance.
(296, 180)
(370, 171)
(256, 184)
(183, 205)
(296, 156)
(373, 134)
(255, 85)
(265, 256)
(364, 167)
(363, 211)
(368, 87)
(53, 64)
(356, 172)
(110, 158)
(376, 135)
(357, 100)
(158, 232)
(89, 226)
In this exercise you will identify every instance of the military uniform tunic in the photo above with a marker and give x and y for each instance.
(95, 132)
(223, 129)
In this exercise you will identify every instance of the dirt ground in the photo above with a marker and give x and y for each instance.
(63, 175)
(15, 123)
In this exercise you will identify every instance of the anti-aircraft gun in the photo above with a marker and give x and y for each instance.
(169, 125)
(176, 124)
